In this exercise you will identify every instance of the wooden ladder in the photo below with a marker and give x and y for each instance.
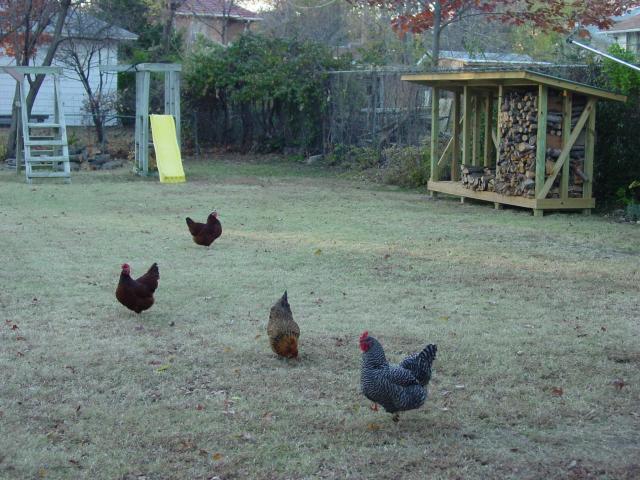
(44, 152)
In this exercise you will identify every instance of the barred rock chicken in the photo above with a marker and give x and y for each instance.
(205, 233)
(396, 387)
(282, 330)
(137, 295)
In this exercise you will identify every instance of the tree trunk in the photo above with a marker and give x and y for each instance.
(437, 29)
(37, 83)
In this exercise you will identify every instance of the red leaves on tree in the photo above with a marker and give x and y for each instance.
(549, 15)
(23, 26)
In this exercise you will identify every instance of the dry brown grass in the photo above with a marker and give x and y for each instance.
(520, 308)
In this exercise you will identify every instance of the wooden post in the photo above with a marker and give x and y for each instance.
(488, 123)
(498, 134)
(477, 121)
(541, 146)
(589, 152)
(142, 121)
(567, 110)
(466, 127)
(435, 133)
(455, 147)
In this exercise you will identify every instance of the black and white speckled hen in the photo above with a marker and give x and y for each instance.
(396, 387)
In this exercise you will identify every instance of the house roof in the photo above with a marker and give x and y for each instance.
(216, 8)
(456, 80)
(631, 24)
(83, 25)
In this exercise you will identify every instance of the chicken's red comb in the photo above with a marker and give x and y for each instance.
(364, 335)
(125, 265)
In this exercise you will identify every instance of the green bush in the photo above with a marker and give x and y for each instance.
(618, 142)
(261, 93)
(405, 166)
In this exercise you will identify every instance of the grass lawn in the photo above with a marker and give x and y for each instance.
(534, 319)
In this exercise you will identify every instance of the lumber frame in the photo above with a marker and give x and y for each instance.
(567, 111)
(488, 131)
(435, 133)
(589, 153)
(466, 128)
(566, 150)
(477, 121)
(498, 123)
(541, 146)
(455, 146)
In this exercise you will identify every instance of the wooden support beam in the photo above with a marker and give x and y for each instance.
(477, 121)
(566, 133)
(488, 130)
(455, 146)
(497, 133)
(566, 150)
(589, 153)
(541, 145)
(445, 152)
(466, 127)
(435, 132)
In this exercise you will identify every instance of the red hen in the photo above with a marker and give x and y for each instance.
(137, 295)
(205, 233)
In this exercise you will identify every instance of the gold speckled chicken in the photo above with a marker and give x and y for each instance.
(282, 330)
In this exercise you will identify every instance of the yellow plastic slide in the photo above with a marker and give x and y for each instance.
(166, 147)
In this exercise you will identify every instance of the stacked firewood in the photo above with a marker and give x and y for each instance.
(515, 173)
(554, 142)
(478, 178)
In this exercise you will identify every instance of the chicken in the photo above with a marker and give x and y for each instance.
(282, 330)
(396, 387)
(205, 233)
(137, 295)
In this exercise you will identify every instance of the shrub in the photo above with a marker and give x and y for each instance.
(405, 166)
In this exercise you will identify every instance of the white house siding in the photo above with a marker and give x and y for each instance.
(74, 96)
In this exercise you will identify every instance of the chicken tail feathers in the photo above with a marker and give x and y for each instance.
(150, 279)
(420, 363)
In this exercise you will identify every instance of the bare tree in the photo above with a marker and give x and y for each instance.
(87, 44)
(32, 21)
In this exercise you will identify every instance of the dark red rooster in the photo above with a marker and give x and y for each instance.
(205, 233)
(137, 295)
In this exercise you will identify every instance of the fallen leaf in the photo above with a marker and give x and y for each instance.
(20, 338)
(248, 437)
(373, 427)
(618, 383)
(42, 472)
(603, 328)
(443, 318)
(216, 457)
(557, 391)
(20, 354)
(14, 327)
(74, 462)
(162, 368)
(154, 362)
(267, 417)
(199, 407)
(318, 252)
(387, 256)
(459, 387)
(226, 349)
(258, 336)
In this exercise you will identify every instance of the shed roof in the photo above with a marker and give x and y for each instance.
(455, 79)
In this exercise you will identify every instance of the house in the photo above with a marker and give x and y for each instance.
(98, 45)
(625, 32)
(219, 20)
(449, 59)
